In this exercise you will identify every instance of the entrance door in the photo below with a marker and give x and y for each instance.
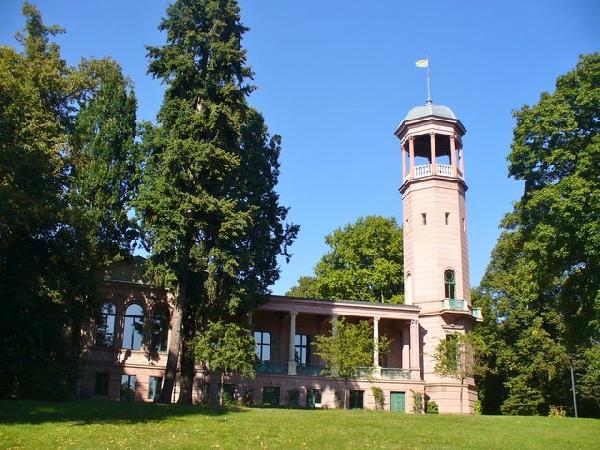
(397, 402)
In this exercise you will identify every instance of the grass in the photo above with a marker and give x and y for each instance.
(90, 424)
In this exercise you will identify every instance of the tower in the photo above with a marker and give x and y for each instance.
(436, 262)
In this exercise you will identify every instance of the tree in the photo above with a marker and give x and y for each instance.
(227, 348)
(365, 263)
(207, 200)
(349, 348)
(455, 357)
(49, 265)
(543, 281)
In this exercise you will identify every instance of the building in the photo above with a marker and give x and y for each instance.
(125, 354)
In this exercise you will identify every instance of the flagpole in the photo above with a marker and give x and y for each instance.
(428, 87)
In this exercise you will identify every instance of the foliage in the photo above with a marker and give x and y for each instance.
(349, 347)
(417, 402)
(477, 407)
(207, 199)
(456, 357)
(227, 348)
(432, 407)
(378, 396)
(542, 286)
(557, 411)
(50, 253)
(365, 263)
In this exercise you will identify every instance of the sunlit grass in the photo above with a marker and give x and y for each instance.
(133, 425)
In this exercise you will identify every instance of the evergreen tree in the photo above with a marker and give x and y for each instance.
(207, 201)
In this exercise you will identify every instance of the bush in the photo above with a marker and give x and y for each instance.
(557, 411)
(477, 407)
(378, 396)
(417, 402)
(248, 399)
(432, 408)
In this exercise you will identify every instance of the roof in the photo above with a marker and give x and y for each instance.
(430, 109)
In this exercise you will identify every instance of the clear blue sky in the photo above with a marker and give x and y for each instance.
(336, 77)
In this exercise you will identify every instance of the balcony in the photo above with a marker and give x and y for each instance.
(454, 304)
(312, 370)
(476, 313)
(271, 367)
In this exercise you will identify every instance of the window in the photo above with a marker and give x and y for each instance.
(134, 323)
(263, 345)
(302, 348)
(447, 218)
(424, 218)
(101, 385)
(313, 398)
(271, 396)
(128, 388)
(450, 284)
(464, 224)
(160, 329)
(105, 325)
(154, 387)
(356, 399)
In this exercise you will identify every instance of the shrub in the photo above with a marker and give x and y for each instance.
(432, 408)
(477, 407)
(248, 399)
(557, 411)
(378, 396)
(417, 402)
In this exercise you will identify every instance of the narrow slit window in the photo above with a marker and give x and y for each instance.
(447, 218)
(424, 218)
(464, 225)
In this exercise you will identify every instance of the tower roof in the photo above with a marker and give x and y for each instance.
(430, 109)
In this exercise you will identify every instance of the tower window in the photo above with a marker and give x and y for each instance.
(464, 224)
(450, 284)
(447, 218)
(424, 218)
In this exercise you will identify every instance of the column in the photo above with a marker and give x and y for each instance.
(403, 152)
(433, 156)
(453, 155)
(461, 158)
(334, 321)
(405, 347)
(292, 348)
(376, 366)
(411, 151)
(415, 363)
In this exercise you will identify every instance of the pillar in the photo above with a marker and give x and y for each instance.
(461, 161)
(292, 347)
(376, 342)
(415, 362)
(453, 155)
(405, 347)
(411, 151)
(433, 156)
(403, 152)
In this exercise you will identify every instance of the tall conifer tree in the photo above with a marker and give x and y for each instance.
(207, 201)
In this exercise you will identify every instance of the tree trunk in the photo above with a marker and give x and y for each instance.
(462, 382)
(188, 370)
(221, 388)
(174, 345)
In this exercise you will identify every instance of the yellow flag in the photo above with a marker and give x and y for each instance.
(422, 63)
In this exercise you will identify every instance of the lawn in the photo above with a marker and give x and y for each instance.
(133, 425)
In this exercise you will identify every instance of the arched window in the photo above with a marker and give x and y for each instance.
(450, 284)
(160, 329)
(105, 325)
(134, 323)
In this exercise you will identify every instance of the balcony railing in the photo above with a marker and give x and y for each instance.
(389, 373)
(364, 372)
(454, 304)
(442, 170)
(313, 370)
(476, 312)
(271, 367)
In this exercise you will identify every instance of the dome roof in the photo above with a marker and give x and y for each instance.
(430, 109)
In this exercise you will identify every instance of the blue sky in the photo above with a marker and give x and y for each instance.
(335, 78)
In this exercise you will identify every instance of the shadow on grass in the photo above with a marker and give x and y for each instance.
(91, 411)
